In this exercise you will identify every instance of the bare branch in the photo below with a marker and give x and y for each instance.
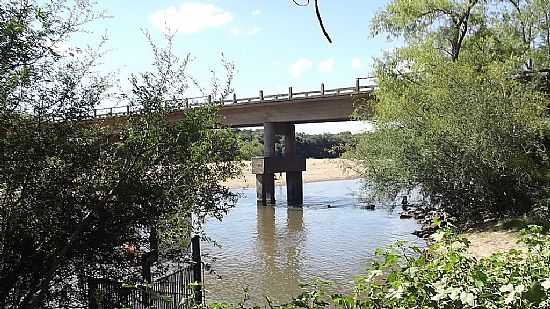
(319, 18)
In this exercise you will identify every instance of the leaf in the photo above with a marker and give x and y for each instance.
(467, 298)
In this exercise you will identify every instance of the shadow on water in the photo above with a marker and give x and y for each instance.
(271, 250)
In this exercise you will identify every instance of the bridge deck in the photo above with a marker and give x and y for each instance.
(301, 107)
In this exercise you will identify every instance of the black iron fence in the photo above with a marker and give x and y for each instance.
(180, 289)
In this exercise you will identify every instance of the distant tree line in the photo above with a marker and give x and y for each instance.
(318, 146)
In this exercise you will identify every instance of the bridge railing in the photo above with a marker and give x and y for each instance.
(360, 87)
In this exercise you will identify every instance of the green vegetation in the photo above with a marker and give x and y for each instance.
(444, 275)
(461, 111)
(318, 146)
(90, 198)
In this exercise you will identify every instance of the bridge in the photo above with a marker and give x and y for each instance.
(278, 114)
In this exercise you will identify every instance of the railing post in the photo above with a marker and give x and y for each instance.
(261, 95)
(357, 85)
(234, 98)
(322, 89)
(197, 268)
(290, 93)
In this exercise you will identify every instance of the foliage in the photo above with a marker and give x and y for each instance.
(444, 275)
(456, 115)
(94, 198)
(318, 146)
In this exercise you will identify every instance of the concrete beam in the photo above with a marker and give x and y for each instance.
(307, 110)
(264, 165)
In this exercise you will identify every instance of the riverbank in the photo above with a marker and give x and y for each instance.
(316, 170)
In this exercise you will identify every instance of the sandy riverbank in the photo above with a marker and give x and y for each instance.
(316, 170)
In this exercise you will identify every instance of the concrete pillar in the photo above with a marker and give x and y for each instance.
(290, 141)
(294, 183)
(265, 189)
(269, 139)
(265, 167)
(265, 183)
(294, 188)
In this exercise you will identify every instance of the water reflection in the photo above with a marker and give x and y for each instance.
(271, 250)
(279, 249)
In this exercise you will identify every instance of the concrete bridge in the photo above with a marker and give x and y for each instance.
(278, 114)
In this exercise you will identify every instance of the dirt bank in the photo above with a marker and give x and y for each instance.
(316, 170)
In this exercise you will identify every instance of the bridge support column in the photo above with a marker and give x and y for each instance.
(265, 167)
(294, 188)
(265, 182)
(265, 189)
(294, 184)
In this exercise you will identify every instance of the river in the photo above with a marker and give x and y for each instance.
(271, 250)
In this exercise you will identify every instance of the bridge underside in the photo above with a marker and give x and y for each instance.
(307, 110)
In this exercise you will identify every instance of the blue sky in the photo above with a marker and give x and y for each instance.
(273, 43)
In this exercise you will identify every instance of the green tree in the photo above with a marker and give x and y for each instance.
(319, 146)
(82, 197)
(460, 111)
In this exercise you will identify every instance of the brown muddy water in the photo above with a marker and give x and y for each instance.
(272, 250)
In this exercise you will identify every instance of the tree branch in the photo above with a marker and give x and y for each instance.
(319, 18)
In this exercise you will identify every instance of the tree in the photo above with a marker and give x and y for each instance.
(319, 146)
(459, 111)
(80, 197)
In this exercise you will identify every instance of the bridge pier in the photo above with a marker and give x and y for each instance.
(265, 167)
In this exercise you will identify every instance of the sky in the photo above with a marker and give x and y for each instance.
(274, 44)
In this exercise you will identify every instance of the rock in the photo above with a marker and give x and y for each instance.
(369, 207)
(406, 215)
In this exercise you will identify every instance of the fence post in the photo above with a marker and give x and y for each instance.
(128, 110)
(322, 88)
(209, 99)
(234, 98)
(95, 113)
(261, 95)
(290, 93)
(197, 267)
(357, 85)
(92, 292)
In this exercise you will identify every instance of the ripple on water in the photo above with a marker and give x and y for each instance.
(271, 250)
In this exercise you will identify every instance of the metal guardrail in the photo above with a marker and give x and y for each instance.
(187, 103)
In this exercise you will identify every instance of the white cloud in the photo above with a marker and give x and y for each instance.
(297, 68)
(256, 12)
(190, 17)
(326, 65)
(356, 63)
